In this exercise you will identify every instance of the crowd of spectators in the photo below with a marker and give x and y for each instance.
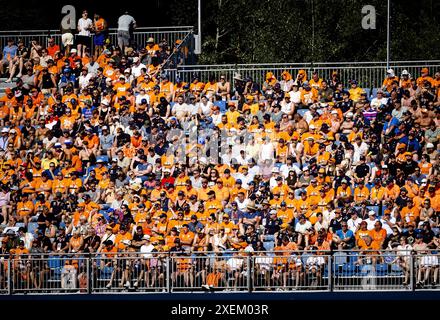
(106, 154)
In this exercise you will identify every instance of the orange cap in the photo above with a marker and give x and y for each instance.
(425, 70)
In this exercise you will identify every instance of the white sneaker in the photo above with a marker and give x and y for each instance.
(135, 284)
(127, 284)
(108, 286)
(8, 81)
(19, 75)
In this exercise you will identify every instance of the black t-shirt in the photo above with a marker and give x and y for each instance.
(122, 139)
(61, 242)
(91, 241)
(335, 224)
(410, 236)
(402, 201)
(428, 235)
(408, 168)
(362, 170)
(272, 226)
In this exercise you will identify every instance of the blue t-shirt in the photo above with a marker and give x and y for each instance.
(348, 234)
(9, 51)
(393, 122)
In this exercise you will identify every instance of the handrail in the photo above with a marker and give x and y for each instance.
(336, 63)
(331, 252)
(178, 48)
(176, 28)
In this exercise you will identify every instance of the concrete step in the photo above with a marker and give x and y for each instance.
(4, 85)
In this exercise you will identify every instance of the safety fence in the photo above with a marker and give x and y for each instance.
(159, 272)
(368, 74)
(139, 36)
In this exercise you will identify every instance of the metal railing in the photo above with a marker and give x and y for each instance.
(368, 74)
(129, 272)
(140, 36)
(168, 272)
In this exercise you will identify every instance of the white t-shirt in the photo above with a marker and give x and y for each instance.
(284, 169)
(359, 150)
(92, 69)
(353, 223)
(295, 96)
(301, 228)
(84, 25)
(206, 108)
(370, 223)
(136, 70)
(140, 97)
(124, 22)
(287, 107)
(83, 81)
(242, 205)
(180, 109)
(235, 263)
(386, 226)
(146, 250)
(267, 150)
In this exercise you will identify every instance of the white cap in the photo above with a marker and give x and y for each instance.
(390, 71)
(371, 213)
(349, 114)
(312, 126)
(203, 160)
(305, 168)
(5, 130)
(135, 59)
(424, 181)
(73, 51)
(146, 237)
(275, 170)
(104, 128)
(405, 72)
(99, 161)
(273, 212)
(166, 170)
(127, 70)
(334, 112)
(13, 131)
(429, 145)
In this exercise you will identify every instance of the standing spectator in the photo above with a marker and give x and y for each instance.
(100, 28)
(67, 37)
(85, 25)
(125, 24)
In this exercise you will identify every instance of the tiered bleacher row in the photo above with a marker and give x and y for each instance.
(112, 173)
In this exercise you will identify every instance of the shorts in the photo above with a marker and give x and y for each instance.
(123, 38)
(84, 40)
(429, 261)
(99, 39)
(67, 39)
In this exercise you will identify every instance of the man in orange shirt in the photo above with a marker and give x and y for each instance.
(186, 237)
(378, 234)
(93, 141)
(392, 190)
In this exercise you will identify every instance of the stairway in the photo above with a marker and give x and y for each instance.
(4, 85)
